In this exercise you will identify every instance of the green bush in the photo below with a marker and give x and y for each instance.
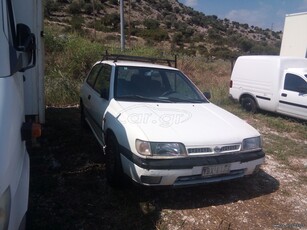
(68, 60)
(88, 8)
(50, 6)
(54, 42)
(76, 23)
(151, 24)
(155, 35)
(75, 7)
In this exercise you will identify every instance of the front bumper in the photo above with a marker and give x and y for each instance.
(189, 170)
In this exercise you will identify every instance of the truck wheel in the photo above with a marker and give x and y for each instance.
(249, 104)
(114, 171)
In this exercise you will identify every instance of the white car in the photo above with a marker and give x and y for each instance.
(157, 128)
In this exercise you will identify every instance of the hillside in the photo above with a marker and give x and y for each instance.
(170, 24)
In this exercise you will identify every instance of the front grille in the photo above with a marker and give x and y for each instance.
(214, 149)
(230, 148)
(199, 150)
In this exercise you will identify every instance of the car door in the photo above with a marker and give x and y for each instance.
(97, 100)
(87, 89)
(293, 97)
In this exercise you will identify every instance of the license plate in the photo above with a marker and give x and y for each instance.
(214, 170)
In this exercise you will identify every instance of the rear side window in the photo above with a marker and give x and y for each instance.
(93, 75)
(294, 83)
(103, 81)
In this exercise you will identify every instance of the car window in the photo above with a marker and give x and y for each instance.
(93, 75)
(153, 84)
(179, 85)
(294, 83)
(102, 83)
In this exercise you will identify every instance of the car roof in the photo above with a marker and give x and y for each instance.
(135, 63)
(138, 61)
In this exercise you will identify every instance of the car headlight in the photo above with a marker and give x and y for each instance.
(160, 149)
(5, 207)
(252, 143)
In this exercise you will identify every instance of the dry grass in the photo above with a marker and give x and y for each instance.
(69, 57)
(213, 76)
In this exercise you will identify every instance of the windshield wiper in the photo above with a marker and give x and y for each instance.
(176, 99)
(142, 98)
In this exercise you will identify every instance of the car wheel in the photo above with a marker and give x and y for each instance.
(114, 171)
(249, 105)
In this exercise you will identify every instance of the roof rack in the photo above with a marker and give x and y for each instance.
(117, 57)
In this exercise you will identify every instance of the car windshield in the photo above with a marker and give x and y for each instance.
(154, 85)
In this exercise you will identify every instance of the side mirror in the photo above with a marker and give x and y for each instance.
(207, 95)
(25, 43)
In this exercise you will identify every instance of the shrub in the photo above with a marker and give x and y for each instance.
(111, 20)
(53, 42)
(151, 24)
(50, 6)
(68, 61)
(155, 35)
(88, 8)
(75, 7)
(76, 23)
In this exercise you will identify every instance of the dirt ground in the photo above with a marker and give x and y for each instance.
(68, 190)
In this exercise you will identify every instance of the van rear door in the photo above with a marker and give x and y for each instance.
(293, 96)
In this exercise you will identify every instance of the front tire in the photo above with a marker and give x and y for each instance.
(114, 171)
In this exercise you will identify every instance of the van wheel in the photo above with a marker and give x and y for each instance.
(249, 105)
(114, 171)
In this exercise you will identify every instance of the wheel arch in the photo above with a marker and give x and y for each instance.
(245, 95)
(249, 103)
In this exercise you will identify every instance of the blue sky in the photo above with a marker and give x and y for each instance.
(262, 13)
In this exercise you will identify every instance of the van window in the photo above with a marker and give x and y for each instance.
(294, 83)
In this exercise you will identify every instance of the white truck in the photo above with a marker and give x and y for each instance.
(273, 83)
(294, 40)
(21, 103)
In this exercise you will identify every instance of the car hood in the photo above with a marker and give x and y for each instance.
(191, 124)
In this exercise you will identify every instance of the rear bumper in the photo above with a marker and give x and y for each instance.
(232, 98)
(189, 171)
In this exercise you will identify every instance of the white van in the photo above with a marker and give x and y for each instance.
(273, 83)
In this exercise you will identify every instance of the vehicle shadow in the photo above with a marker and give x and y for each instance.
(216, 194)
(282, 116)
(68, 188)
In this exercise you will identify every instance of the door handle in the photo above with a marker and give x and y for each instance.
(89, 97)
(284, 95)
